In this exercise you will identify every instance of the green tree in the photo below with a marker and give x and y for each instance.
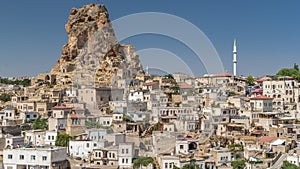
(169, 76)
(175, 167)
(24, 82)
(250, 80)
(238, 164)
(5, 97)
(175, 89)
(292, 72)
(92, 124)
(40, 124)
(288, 165)
(296, 66)
(63, 140)
(234, 147)
(142, 161)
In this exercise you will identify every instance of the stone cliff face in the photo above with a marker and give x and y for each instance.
(93, 56)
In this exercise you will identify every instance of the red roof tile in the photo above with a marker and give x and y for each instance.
(185, 86)
(260, 91)
(76, 116)
(188, 138)
(267, 139)
(62, 107)
(223, 75)
(150, 83)
(261, 98)
(78, 109)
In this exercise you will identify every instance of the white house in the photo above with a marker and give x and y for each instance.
(106, 156)
(118, 106)
(105, 120)
(83, 148)
(283, 91)
(139, 116)
(261, 103)
(168, 162)
(136, 96)
(221, 156)
(29, 116)
(293, 158)
(186, 145)
(126, 155)
(97, 134)
(71, 93)
(33, 158)
(117, 117)
(9, 113)
(50, 137)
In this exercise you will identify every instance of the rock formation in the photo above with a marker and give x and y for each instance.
(93, 56)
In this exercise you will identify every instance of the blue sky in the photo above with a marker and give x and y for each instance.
(268, 32)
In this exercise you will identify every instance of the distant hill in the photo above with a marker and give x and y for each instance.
(23, 82)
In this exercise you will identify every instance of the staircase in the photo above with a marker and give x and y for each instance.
(277, 162)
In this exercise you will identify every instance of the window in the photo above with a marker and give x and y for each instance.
(21, 157)
(181, 147)
(32, 157)
(44, 158)
(87, 145)
(52, 137)
(166, 165)
(122, 151)
(48, 137)
(9, 156)
(126, 151)
(95, 144)
(126, 160)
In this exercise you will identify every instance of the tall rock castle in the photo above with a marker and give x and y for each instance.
(93, 56)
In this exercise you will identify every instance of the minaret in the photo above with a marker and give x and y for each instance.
(234, 57)
(147, 70)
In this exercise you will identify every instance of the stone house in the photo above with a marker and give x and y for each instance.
(221, 156)
(34, 137)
